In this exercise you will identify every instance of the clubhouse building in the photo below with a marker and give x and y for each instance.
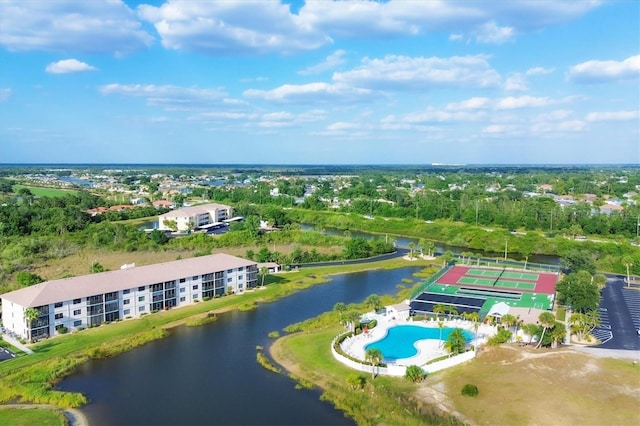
(79, 302)
(195, 217)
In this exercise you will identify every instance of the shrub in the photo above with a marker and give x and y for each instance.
(415, 374)
(469, 390)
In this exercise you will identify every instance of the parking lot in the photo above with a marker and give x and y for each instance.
(6, 354)
(620, 316)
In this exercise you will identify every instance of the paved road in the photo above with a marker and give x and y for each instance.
(5, 354)
(620, 314)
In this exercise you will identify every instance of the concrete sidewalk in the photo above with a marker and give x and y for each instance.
(608, 353)
(12, 341)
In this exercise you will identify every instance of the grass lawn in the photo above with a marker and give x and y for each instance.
(45, 192)
(31, 417)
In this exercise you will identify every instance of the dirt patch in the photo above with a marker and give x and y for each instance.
(521, 385)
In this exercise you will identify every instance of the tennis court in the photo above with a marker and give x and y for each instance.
(520, 275)
(515, 284)
(484, 272)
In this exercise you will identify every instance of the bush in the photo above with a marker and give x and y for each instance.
(469, 390)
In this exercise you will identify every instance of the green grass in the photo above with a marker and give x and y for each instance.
(31, 417)
(45, 192)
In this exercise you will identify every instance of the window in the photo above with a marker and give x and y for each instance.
(77, 323)
(76, 301)
(195, 277)
(141, 309)
(126, 301)
(126, 311)
(229, 279)
(141, 299)
(229, 271)
(239, 277)
(182, 289)
(195, 287)
(241, 268)
(182, 299)
(127, 291)
(141, 288)
(77, 311)
(59, 316)
(183, 280)
(58, 305)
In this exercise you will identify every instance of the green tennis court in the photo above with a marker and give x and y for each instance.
(515, 284)
(485, 272)
(520, 276)
(476, 281)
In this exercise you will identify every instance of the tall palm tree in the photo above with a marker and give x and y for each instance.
(30, 315)
(352, 318)
(340, 308)
(373, 301)
(439, 309)
(374, 356)
(412, 245)
(456, 342)
(440, 326)
(547, 320)
(264, 271)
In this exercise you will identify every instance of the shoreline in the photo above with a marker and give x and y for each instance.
(74, 416)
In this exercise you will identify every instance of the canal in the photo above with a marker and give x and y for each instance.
(208, 375)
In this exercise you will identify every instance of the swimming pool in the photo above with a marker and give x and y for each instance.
(401, 339)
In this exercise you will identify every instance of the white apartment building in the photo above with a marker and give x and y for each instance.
(191, 218)
(79, 302)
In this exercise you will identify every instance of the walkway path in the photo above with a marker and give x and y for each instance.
(12, 341)
(608, 353)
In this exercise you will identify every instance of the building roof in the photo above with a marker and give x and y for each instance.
(195, 210)
(88, 285)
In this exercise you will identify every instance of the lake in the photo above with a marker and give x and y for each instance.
(208, 375)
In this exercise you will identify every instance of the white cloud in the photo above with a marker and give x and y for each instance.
(613, 116)
(66, 66)
(5, 93)
(522, 102)
(497, 129)
(490, 32)
(331, 62)
(560, 114)
(604, 71)
(432, 115)
(539, 71)
(469, 104)
(410, 73)
(231, 28)
(559, 127)
(311, 93)
(168, 96)
(340, 126)
(71, 25)
(515, 82)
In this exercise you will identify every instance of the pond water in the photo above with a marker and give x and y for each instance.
(208, 375)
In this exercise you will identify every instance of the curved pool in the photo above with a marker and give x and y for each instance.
(400, 340)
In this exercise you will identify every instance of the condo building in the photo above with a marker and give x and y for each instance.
(79, 302)
(195, 217)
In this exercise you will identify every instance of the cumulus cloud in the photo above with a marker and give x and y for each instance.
(410, 73)
(516, 82)
(311, 93)
(613, 116)
(512, 102)
(469, 104)
(492, 33)
(332, 61)
(5, 92)
(66, 66)
(71, 25)
(168, 96)
(605, 71)
(560, 126)
(231, 28)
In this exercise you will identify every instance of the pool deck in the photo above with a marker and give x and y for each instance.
(428, 349)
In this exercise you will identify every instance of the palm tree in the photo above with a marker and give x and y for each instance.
(531, 330)
(456, 342)
(440, 326)
(451, 310)
(373, 301)
(374, 356)
(352, 317)
(340, 308)
(430, 245)
(475, 317)
(264, 271)
(412, 245)
(628, 262)
(557, 333)
(422, 243)
(30, 315)
(547, 320)
(508, 320)
(439, 309)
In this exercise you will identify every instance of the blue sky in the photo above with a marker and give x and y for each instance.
(320, 82)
